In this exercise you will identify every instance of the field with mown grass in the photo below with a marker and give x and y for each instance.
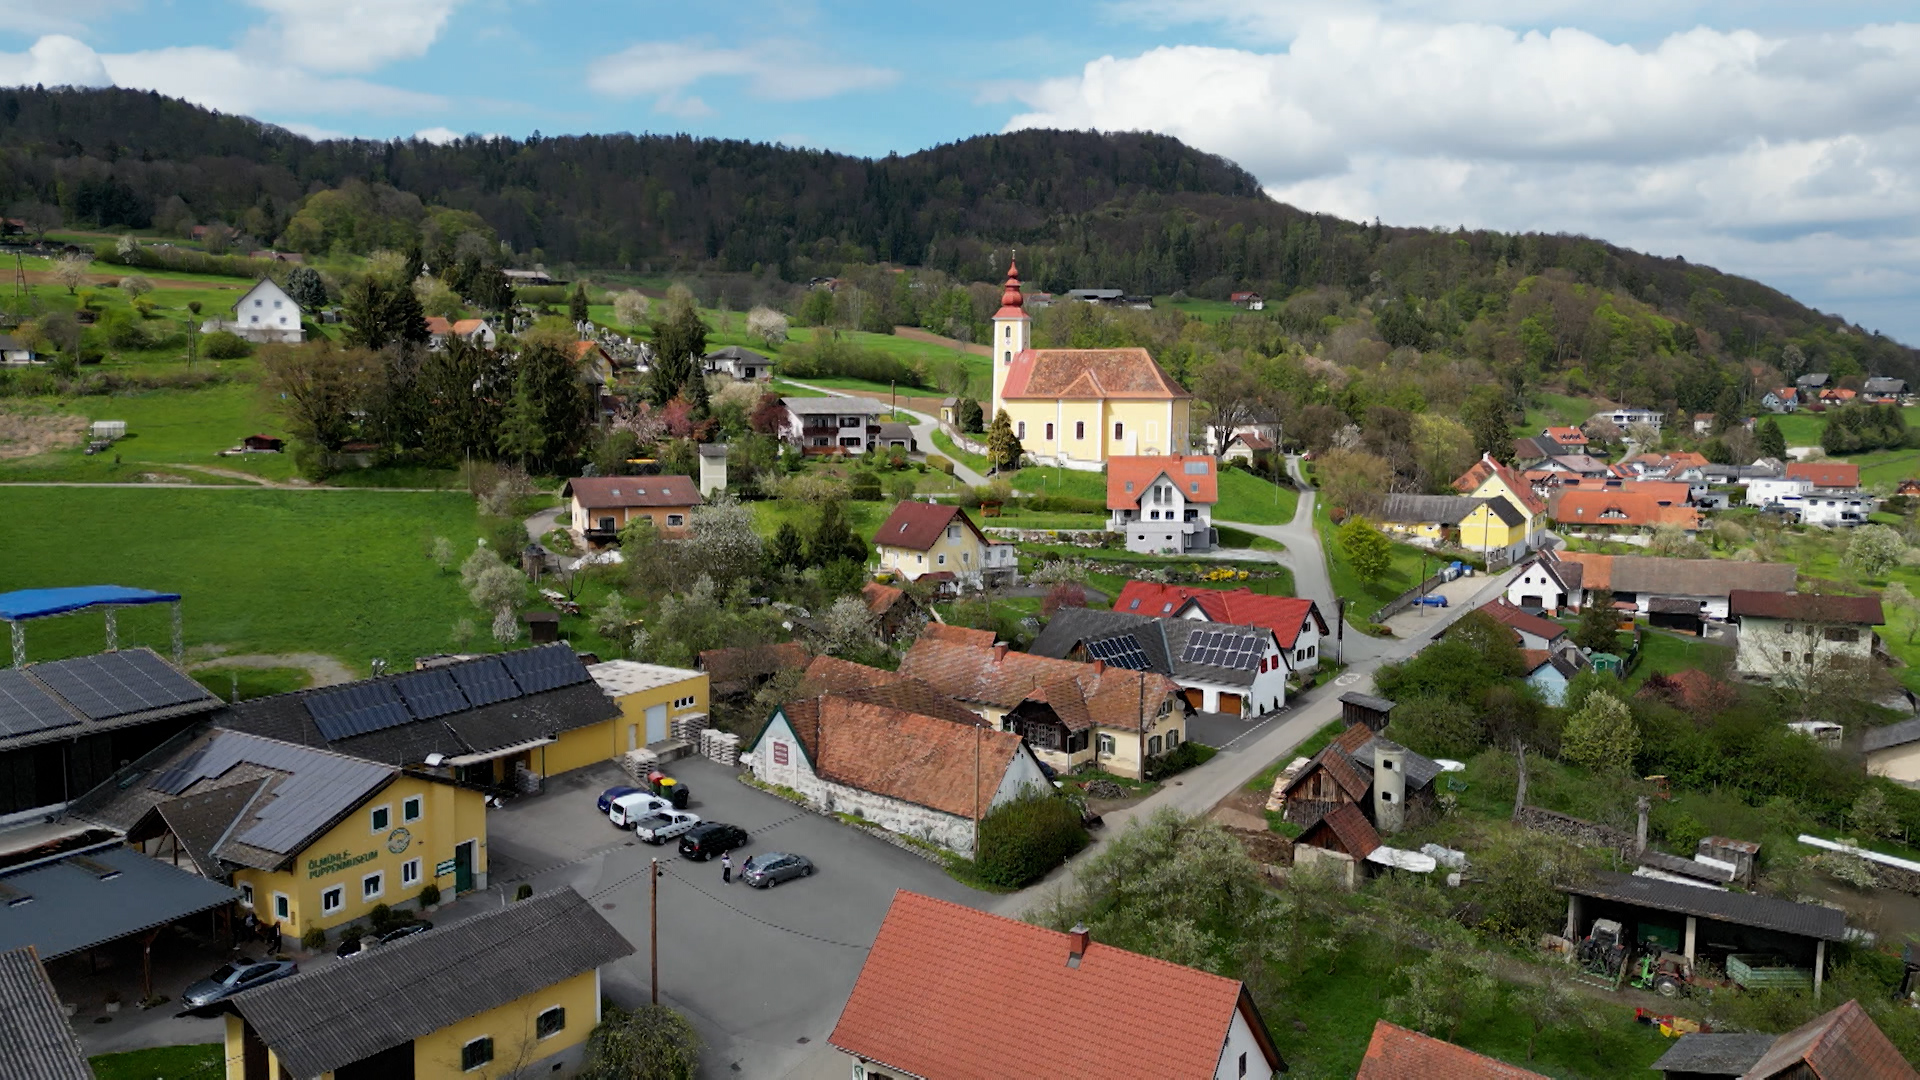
(196, 1062)
(1804, 428)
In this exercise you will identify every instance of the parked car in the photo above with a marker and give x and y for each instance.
(605, 802)
(234, 978)
(355, 945)
(664, 826)
(1434, 600)
(709, 839)
(628, 809)
(770, 868)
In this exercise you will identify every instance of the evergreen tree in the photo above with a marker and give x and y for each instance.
(833, 539)
(787, 550)
(577, 303)
(968, 416)
(1485, 414)
(468, 386)
(404, 319)
(366, 307)
(546, 422)
(307, 288)
(1773, 441)
(679, 343)
(1003, 447)
(1599, 629)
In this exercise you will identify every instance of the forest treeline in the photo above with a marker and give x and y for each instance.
(1134, 211)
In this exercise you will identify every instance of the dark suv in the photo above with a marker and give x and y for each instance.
(709, 839)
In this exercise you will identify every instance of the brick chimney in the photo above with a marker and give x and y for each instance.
(1077, 939)
(1099, 667)
(999, 651)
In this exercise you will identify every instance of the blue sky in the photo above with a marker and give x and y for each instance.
(1779, 140)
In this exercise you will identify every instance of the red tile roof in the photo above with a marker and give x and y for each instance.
(610, 492)
(951, 993)
(1334, 763)
(881, 598)
(1806, 607)
(1089, 374)
(1399, 1054)
(958, 635)
(1833, 474)
(925, 760)
(916, 526)
(1284, 615)
(437, 324)
(1486, 467)
(1081, 695)
(732, 665)
(1522, 622)
(1345, 825)
(1567, 436)
(877, 686)
(1129, 476)
(1625, 509)
(1842, 1043)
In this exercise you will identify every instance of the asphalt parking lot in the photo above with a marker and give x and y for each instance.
(762, 973)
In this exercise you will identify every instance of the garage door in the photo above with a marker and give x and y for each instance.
(1196, 697)
(1527, 601)
(656, 724)
(1230, 704)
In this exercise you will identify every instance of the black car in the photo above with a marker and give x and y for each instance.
(709, 839)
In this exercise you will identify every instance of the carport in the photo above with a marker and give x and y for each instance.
(1707, 923)
(1674, 613)
(82, 901)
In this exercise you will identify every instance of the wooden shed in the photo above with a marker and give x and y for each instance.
(1365, 709)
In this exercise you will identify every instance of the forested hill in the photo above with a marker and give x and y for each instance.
(1135, 211)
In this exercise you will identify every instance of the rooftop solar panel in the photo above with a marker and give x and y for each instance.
(118, 683)
(25, 708)
(547, 668)
(356, 709)
(1122, 652)
(430, 693)
(484, 682)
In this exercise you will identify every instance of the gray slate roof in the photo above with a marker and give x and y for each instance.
(1367, 701)
(1900, 734)
(319, 1020)
(1742, 909)
(1881, 384)
(74, 908)
(1419, 509)
(1420, 770)
(1718, 1053)
(1161, 642)
(36, 1042)
(834, 406)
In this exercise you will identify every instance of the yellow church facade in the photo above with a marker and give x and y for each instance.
(1078, 407)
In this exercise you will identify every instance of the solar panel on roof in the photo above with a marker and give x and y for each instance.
(548, 668)
(178, 778)
(116, 684)
(484, 682)
(25, 708)
(356, 710)
(430, 693)
(1121, 652)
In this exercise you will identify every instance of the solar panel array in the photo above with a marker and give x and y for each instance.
(119, 683)
(25, 708)
(1121, 652)
(316, 788)
(362, 708)
(1222, 648)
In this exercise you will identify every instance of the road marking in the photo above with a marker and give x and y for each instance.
(1347, 679)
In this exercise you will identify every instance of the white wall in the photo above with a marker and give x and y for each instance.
(1768, 492)
(1240, 1040)
(1535, 581)
(1763, 641)
(1308, 641)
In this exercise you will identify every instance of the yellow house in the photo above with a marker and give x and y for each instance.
(928, 540)
(1513, 517)
(1078, 407)
(311, 839)
(651, 698)
(511, 993)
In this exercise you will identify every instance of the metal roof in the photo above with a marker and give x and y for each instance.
(36, 1042)
(1741, 909)
(71, 908)
(38, 603)
(1899, 734)
(317, 786)
(319, 1020)
(1367, 701)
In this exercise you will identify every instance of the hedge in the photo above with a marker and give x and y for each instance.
(1066, 504)
(1021, 840)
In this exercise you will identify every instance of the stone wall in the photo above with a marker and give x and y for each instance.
(1584, 833)
(869, 827)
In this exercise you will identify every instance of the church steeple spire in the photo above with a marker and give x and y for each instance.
(1011, 297)
(1012, 332)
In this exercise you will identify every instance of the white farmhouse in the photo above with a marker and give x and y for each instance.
(1163, 503)
(1219, 667)
(915, 775)
(1790, 637)
(264, 313)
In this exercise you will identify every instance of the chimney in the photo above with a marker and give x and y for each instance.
(999, 651)
(1077, 939)
(1099, 667)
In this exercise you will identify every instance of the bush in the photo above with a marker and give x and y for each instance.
(865, 487)
(314, 939)
(833, 357)
(1179, 759)
(1020, 841)
(940, 463)
(430, 895)
(381, 917)
(225, 345)
(1066, 504)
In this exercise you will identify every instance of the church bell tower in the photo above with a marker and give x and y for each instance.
(1012, 335)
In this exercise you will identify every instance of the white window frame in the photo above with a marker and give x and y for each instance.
(1103, 743)
(246, 894)
(412, 808)
(376, 826)
(676, 519)
(562, 1009)
(941, 559)
(488, 1039)
(377, 879)
(333, 890)
(409, 873)
(282, 906)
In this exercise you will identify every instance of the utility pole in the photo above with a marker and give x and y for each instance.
(976, 792)
(653, 933)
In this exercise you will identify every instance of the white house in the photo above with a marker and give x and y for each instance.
(475, 331)
(1776, 490)
(915, 775)
(264, 313)
(1558, 583)
(738, 363)
(833, 425)
(1163, 503)
(1791, 636)
(13, 351)
(1219, 667)
(1834, 506)
(1620, 418)
(1297, 625)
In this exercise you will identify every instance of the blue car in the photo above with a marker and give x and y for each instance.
(606, 797)
(1430, 601)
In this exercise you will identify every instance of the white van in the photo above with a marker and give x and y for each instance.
(628, 809)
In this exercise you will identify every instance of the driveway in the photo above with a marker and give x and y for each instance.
(1416, 621)
(761, 973)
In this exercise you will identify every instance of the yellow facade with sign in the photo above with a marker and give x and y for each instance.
(523, 1035)
(410, 833)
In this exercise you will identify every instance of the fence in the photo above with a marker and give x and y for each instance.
(1405, 600)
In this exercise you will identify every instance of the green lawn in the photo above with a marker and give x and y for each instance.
(164, 427)
(945, 445)
(1804, 428)
(865, 517)
(1364, 600)
(787, 389)
(196, 1062)
(1017, 517)
(1559, 410)
(1246, 497)
(1887, 467)
(341, 573)
(1204, 310)
(1279, 581)
(1665, 654)
(253, 682)
(1054, 480)
(1231, 537)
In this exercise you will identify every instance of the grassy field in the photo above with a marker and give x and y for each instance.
(1804, 428)
(161, 1063)
(944, 444)
(1887, 467)
(1364, 600)
(1204, 310)
(1245, 497)
(1665, 654)
(1559, 410)
(1054, 480)
(341, 573)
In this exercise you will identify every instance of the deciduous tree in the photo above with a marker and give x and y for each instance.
(1873, 550)
(71, 271)
(317, 388)
(1601, 734)
(1599, 629)
(651, 1042)
(630, 308)
(1368, 552)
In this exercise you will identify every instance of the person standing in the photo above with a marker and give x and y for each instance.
(726, 868)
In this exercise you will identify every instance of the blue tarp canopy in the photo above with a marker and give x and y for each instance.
(37, 603)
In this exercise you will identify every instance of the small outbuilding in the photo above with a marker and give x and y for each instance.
(1374, 712)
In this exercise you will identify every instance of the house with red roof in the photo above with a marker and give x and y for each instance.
(1571, 440)
(930, 540)
(1609, 513)
(600, 506)
(951, 993)
(1079, 408)
(1530, 631)
(1297, 624)
(440, 329)
(1825, 474)
(1513, 518)
(1397, 1053)
(1163, 504)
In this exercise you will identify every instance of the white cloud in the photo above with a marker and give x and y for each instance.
(54, 60)
(1717, 145)
(349, 35)
(771, 71)
(440, 136)
(66, 17)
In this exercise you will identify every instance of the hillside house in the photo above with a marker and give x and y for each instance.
(1246, 448)
(1220, 668)
(738, 363)
(1550, 670)
(833, 425)
(919, 776)
(1842, 1042)
(1513, 519)
(939, 541)
(264, 314)
(1825, 474)
(1792, 637)
(1883, 390)
(600, 506)
(1297, 624)
(1625, 418)
(1163, 504)
(472, 331)
(1570, 440)
(951, 993)
(1252, 301)
(1783, 399)
(1529, 631)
